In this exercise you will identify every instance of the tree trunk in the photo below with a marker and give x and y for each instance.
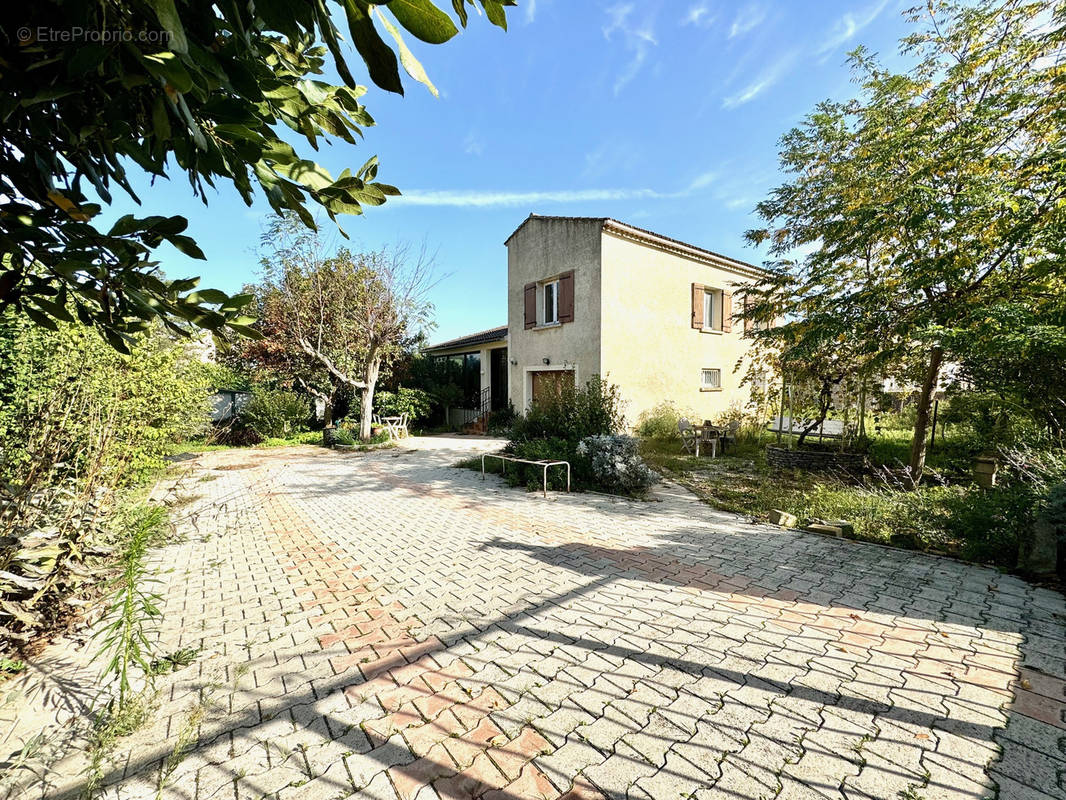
(370, 380)
(862, 409)
(921, 418)
(825, 399)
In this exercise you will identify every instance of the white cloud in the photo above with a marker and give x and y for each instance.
(473, 144)
(850, 24)
(478, 198)
(748, 18)
(703, 180)
(612, 157)
(531, 10)
(486, 199)
(637, 38)
(699, 14)
(764, 81)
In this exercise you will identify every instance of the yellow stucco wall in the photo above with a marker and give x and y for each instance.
(632, 316)
(541, 249)
(648, 345)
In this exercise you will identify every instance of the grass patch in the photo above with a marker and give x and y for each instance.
(11, 666)
(296, 439)
(960, 520)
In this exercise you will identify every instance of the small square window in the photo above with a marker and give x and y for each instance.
(711, 379)
(551, 302)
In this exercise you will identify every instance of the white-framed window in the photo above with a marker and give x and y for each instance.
(712, 309)
(550, 294)
(710, 379)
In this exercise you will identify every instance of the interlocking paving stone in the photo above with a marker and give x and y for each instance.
(387, 626)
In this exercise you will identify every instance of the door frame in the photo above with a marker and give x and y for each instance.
(498, 393)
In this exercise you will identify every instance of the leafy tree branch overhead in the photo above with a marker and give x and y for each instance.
(178, 87)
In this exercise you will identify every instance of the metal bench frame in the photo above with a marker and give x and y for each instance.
(542, 463)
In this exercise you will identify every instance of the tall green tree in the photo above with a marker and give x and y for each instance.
(174, 87)
(334, 320)
(933, 194)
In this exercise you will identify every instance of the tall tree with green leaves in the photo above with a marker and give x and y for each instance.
(933, 194)
(89, 90)
(336, 319)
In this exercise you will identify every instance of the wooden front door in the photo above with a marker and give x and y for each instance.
(551, 382)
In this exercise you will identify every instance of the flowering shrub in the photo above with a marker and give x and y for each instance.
(616, 465)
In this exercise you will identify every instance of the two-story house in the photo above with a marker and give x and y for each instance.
(594, 296)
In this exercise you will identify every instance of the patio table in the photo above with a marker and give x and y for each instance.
(701, 437)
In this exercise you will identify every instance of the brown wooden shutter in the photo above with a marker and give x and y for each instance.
(727, 312)
(566, 297)
(529, 295)
(697, 305)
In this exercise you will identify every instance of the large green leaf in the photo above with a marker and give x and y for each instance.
(424, 20)
(378, 56)
(168, 16)
(411, 64)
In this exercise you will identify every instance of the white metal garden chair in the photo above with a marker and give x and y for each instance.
(690, 440)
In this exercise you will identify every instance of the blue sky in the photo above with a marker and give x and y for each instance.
(662, 113)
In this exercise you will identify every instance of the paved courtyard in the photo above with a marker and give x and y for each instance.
(386, 626)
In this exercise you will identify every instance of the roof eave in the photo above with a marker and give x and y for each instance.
(683, 248)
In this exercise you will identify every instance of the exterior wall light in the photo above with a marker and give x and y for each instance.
(546, 360)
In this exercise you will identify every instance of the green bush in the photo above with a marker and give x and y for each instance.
(1053, 510)
(275, 413)
(661, 421)
(79, 423)
(350, 438)
(501, 420)
(989, 422)
(554, 429)
(616, 465)
(594, 409)
(416, 403)
(550, 449)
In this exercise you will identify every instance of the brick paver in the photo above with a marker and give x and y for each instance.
(386, 626)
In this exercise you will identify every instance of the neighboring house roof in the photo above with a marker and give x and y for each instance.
(654, 239)
(481, 337)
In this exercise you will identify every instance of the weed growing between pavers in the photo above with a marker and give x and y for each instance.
(108, 727)
(123, 640)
